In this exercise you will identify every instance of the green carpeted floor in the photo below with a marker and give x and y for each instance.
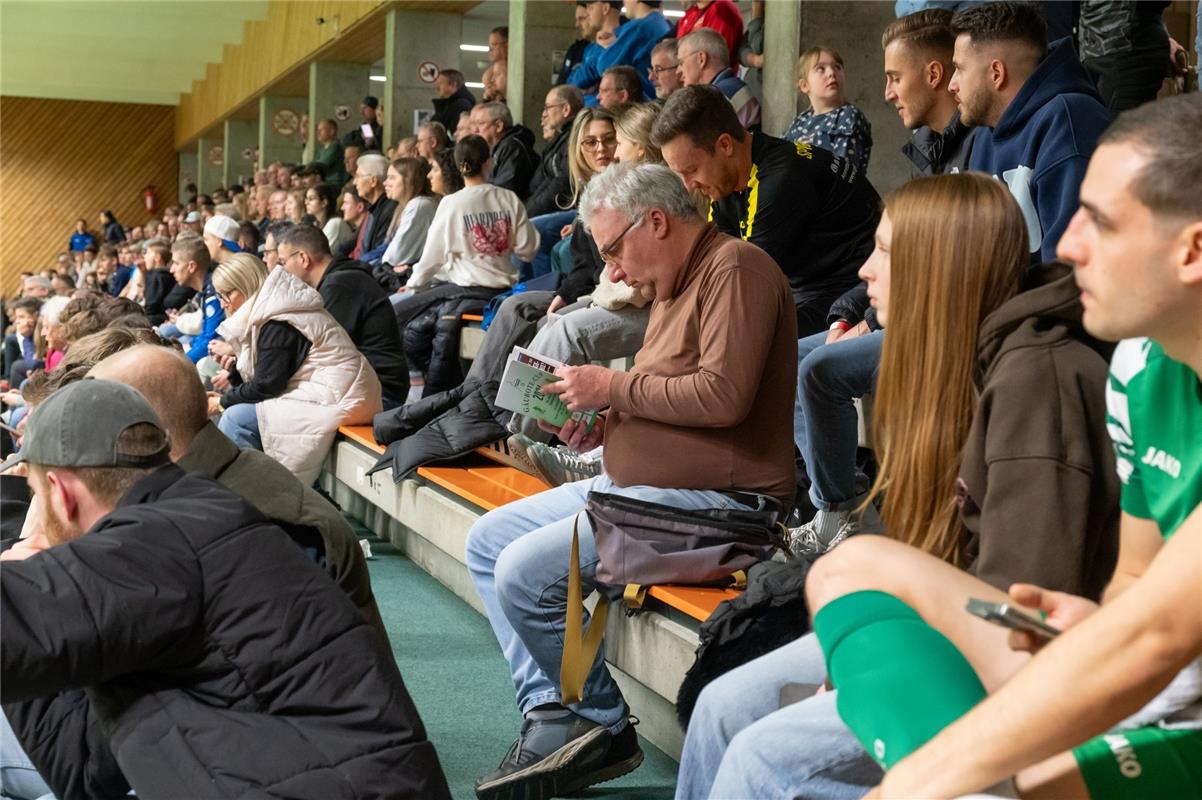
(460, 681)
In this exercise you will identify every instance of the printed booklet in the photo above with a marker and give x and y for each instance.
(525, 374)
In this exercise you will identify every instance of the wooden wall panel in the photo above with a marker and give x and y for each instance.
(287, 39)
(269, 48)
(65, 159)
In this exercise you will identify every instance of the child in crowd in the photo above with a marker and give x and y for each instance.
(830, 122)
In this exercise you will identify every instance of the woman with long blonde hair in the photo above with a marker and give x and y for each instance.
(990, 425)
(408, 183)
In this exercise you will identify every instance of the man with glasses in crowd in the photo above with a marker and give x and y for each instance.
(370, 171)
(713, 383)
(662, 73)
(355, 299)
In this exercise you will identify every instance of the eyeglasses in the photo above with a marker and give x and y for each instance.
(609, 254)
(657, 70)
(592, 142)
(224, 297)
(547, 108)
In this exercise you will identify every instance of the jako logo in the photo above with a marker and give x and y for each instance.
(1125, 755)
(1164, 462)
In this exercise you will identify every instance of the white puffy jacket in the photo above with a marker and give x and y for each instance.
(334, 386)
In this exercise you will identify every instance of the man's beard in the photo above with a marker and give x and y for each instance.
(55, 528)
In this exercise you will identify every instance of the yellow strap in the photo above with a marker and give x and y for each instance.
(740, 579)
(634, 595)
(579, 647)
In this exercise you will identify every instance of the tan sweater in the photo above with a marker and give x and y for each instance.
(709, 403)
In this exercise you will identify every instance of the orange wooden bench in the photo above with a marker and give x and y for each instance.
(488, 482)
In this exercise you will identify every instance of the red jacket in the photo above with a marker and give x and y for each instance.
(721, 15)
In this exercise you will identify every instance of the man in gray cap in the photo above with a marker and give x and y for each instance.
(198, 627)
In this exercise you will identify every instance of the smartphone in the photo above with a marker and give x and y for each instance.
(1008, 616)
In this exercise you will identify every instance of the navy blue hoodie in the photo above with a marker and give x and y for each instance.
(1042, 144)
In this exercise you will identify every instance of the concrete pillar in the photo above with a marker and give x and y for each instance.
(210, 161)
(416, 46)
(782, 46)
(241, 142)
(187, 173)
(279, 129)
(335, 87)
(537, 31)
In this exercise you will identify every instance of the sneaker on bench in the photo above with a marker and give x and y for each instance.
(559, 465)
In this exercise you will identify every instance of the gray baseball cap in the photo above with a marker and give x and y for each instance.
(81, 424)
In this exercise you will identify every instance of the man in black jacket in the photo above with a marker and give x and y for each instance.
(550, 187)
(918, 67)
(218, 660)
(453, 98)
(812, 211)
(513, 158)
(356, 300)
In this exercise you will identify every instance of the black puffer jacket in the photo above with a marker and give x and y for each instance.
(551, 187)
(439, 428)
(430, 325)
(514, 161)
(218, 661)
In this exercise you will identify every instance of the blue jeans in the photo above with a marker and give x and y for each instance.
(518, 558)
(19, 778)
(825, 425)
(548, 227)
(741, 743)
(241, 425)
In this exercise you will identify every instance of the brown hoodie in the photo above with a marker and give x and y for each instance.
(1037, 487)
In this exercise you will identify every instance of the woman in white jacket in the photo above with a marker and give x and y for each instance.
(292, 374)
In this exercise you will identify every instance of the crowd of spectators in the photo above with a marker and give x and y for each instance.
(172, 389)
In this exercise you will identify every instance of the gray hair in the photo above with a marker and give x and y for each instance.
(710, 42)
(40, 281)
(52, 309)
(375, 165)
(497, 111)
(666, 46)
(636, 189)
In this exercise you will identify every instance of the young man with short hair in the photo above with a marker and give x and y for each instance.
(355, 299)
(1038, 107)
(918, 67)
(1127, 672)
(191, 266)
(812, 211)
(178, 606)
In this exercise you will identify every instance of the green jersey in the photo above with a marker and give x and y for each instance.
(1154, 414)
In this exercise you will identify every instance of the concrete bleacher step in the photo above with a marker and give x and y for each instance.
(428, 518)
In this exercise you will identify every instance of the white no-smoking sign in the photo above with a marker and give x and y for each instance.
(427, 72)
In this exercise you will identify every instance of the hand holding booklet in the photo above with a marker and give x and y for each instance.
(521, 390)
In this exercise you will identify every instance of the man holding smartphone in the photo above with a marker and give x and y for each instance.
(1127, 673)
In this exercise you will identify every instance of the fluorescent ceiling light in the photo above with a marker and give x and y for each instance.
(674, 14)
(471, 85)
(482, 48)
(379, 78)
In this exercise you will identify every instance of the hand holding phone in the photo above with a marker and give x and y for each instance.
(1009, 616)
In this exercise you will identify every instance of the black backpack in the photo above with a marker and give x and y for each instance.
(770, 613)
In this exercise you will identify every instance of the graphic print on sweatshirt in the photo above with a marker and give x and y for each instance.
(490, 232)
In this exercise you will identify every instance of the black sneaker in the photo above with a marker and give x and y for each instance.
(555, 751)
(624, 756)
